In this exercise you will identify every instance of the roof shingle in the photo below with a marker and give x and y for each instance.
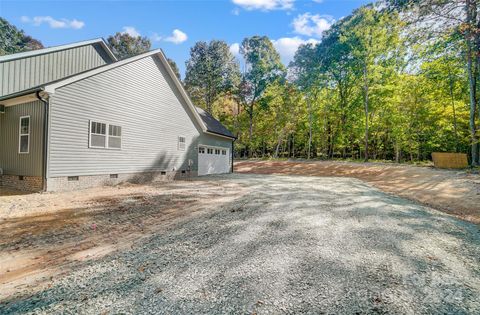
(212, 124)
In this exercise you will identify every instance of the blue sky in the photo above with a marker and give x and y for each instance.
(175, 26)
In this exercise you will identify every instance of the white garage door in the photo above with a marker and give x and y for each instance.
(213, 160)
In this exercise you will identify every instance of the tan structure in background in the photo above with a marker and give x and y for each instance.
(450, 160)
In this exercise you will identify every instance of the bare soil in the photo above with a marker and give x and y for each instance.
(236, 243)
(456, 192)
(45, 235)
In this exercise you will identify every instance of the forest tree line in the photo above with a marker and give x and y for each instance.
(395, 80)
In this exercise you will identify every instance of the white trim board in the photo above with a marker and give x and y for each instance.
(58, 48)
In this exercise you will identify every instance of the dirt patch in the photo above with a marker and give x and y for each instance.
(454, 192)
(290, 245)
(43, 236)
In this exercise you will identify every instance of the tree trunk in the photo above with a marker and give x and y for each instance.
(472, 85)
(250, 130)
(455, 131)
(365, 89)
(397, 152)
(309, 128)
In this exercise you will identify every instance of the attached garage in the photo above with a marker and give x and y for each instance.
(214, 157)
(213, 160)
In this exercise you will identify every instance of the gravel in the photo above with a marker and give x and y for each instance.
(292, 245)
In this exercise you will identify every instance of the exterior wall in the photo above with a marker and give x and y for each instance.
(12, 162)
(63, 184)
(24, 73)
(216, 141)
(141, 98)
(28, 183)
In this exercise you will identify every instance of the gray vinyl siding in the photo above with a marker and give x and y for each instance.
(141, 98)
(12, 162)
(24, 73)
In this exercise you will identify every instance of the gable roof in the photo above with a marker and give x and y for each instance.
(58, 48)
(213, 125)
(205, 120)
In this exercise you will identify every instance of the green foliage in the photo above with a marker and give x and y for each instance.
(124, 46)
(13, 40)
(416, 104)
(211, 71)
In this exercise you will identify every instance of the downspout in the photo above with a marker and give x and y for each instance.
(45, 101)
(233, 143)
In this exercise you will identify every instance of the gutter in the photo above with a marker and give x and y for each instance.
(46, 102)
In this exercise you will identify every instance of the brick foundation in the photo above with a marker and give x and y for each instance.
(28, 183)
(89, 181)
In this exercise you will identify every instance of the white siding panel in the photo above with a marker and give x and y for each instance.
(21, 74)
(140, 98)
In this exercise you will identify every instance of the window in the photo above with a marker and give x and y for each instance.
(114, 137)
(224, 152)
(72, 178)
(98, 135)
(201, 150)
(100, 139)
(181, 143)
(210, 151)
(217, 151)
(24, 135)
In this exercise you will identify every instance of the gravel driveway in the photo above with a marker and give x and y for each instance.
(291, 245)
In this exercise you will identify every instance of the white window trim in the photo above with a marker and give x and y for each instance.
(108, 137)
(107, 125)
(215, 147)
(20, 134)
(184, 143)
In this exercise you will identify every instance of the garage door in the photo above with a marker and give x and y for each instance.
(213, 160)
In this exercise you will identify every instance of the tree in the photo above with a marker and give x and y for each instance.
(369, 33)
(13, 40)
(263, 66)
(124, 45)
(307, 75)
(446, 18)
(211, 71)
(174, 67)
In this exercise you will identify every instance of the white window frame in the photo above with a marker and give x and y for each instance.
(107, 135)
(24, 134)
(179, 147)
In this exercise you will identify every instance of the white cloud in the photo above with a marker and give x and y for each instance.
(312, 25)
(53, 23)
(236, 11)
(265, 5)
(318, 1)
(287, 46)
(177, 37)
(132, 31)
(235, 49)
(155, 37)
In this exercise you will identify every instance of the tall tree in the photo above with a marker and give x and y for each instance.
(124, 45)
(211, 71)
(263, 66)
(306, 73)
(436, 18)
(13, 40)
(369, 33)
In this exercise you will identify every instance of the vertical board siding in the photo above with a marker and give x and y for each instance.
(12, 162)
(21, 74)
(141, 98)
